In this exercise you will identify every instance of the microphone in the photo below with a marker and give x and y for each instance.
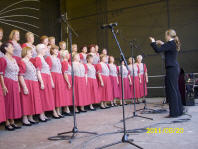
(117, 32)
(63, 17)
(110, 25)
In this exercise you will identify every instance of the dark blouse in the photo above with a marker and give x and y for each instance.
(170, 51)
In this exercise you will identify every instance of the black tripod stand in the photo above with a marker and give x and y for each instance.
(75, 130)
(125, 135)
(145, 109)
(143, 99)
(134, 97)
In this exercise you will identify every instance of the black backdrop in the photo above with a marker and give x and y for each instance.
(47, 14)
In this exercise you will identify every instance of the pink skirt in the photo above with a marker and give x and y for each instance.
(142, 89)
(80, 91)
(105, 92)
(31, 103)
(92, 91)
(12, 99)
(137, 87)
(2, 107)
(115, 87)
(68, 92)
(126, 86)
(47, 97)
(59, 90)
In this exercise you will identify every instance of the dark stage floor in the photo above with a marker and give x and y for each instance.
(107, 121)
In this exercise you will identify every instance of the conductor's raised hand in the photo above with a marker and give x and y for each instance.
(152, 39)
(159, 42)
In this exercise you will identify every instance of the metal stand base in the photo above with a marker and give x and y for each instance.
(124, 140)
(74, 132)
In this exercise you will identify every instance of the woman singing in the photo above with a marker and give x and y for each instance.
(9, 81)
(170, 49)
(30, 95)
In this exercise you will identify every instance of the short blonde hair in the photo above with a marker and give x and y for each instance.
(28, 34)
(52, 37)
(42, 38)
(62, 42)
(25, 51)
(52, 49)
(40, 47)
(12, 33)
(140, 56)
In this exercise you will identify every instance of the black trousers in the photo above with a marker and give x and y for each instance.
(172, 91)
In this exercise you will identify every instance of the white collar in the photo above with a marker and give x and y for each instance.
(171, 39)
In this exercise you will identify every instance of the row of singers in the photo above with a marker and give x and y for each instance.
(38, 79)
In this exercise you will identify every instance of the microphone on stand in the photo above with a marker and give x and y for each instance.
(63, 17)
(117, 32)
(110, 25)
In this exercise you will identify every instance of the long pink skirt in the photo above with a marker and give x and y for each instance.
(80, 91)
(68, 92)
(12, 99)
(59, 90)
(2, 107)
(142, 89)
(47, 97)
(31, 103)
(132, 87)
(137, 86)
(127, 89)
(115, 87)
(92, 91)
(105, 92)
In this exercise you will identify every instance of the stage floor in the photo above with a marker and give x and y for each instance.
(107, 121)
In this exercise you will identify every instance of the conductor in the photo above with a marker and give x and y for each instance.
(170, 48)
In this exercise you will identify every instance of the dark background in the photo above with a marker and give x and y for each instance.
(48, 14)
(137, 20)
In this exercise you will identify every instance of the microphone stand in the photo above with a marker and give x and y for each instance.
(133, 98)
(75, 130)
(145, 109)
(125, 135)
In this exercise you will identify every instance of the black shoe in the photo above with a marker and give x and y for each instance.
(42, 120)
(115, 104)
(48, 119)
(67, 114)
(15, 126)
(61, 116)
(77, 112)
(33, 122)
(171, 116)
(9, 128)
(102, 107)
(56, 117)
(107, 107)
(24, 124)
(137, 102)
(83, 111)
